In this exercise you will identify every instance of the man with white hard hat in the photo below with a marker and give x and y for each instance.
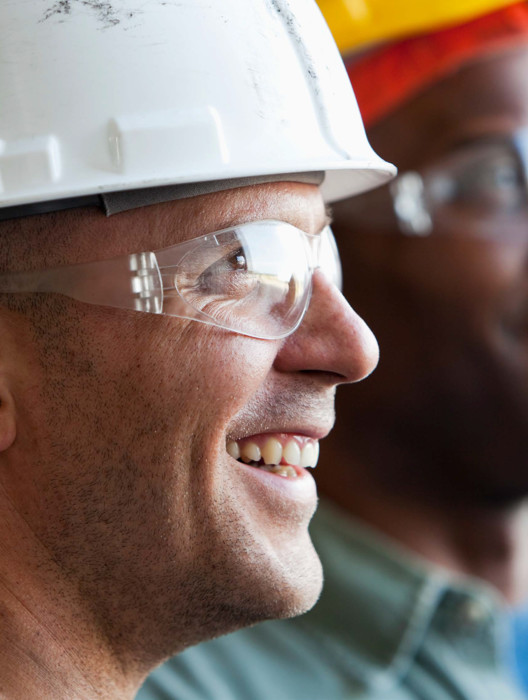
(171, 329)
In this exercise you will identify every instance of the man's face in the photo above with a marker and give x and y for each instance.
(450, 309)
(124, 421)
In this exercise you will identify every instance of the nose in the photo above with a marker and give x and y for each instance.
(332, 338)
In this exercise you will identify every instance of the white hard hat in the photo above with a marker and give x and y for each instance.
(110, 96)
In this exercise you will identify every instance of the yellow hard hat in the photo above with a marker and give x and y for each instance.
(355, 23)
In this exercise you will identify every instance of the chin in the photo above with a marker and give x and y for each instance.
(307, 595)
(303, 599)
(234, 593)
(288, 585)
(297, 585)
(287, 600)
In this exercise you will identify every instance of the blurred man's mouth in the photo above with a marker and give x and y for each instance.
(284, 454)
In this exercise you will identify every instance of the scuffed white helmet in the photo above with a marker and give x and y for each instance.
(120, 95)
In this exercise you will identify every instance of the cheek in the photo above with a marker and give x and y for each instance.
(194, 376)
(158, 389)
(133, 417)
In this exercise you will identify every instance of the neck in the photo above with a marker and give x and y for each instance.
(49, 647)
(480, 541)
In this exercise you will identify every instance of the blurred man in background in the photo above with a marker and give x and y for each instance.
(423, 531)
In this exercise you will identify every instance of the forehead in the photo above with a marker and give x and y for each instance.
(298, 204)
(489, 96)
(93, 236)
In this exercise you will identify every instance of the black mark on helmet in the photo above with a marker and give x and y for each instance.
(105, 12)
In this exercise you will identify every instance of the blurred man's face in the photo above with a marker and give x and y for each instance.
(124, 425)
(451, 309)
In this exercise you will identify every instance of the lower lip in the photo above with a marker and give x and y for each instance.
(301, 488)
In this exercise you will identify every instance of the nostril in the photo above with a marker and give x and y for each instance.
(333, 377)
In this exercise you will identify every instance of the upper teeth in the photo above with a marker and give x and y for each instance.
(250, 452)
(273, 451)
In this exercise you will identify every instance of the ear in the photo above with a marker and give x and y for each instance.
(7, 418)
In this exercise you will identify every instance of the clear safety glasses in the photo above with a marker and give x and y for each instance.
(254, 278)
(478, 189)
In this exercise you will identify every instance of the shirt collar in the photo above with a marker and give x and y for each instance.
(379, 600)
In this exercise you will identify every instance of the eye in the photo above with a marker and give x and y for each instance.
(231, 262)
(493, 180)
(496, 182)
(237, 260)
(228, 276)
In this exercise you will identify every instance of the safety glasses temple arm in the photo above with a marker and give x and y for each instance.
(128, 282)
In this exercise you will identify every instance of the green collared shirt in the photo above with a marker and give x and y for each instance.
(387, 627)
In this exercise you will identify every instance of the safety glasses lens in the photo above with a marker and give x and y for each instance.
(329, 260)
(253, 279)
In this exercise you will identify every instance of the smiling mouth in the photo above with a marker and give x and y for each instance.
(281, 453)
